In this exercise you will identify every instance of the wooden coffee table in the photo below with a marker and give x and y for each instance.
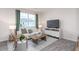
(36, 38)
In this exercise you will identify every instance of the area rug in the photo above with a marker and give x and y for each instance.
(61, 45)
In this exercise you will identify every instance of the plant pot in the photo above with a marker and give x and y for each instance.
(21, 45)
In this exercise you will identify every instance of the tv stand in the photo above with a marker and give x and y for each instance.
(52, 32)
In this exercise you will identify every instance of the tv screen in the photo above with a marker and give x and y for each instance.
(53, 23)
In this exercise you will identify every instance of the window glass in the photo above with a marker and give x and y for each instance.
(32, 20)
(27, 20)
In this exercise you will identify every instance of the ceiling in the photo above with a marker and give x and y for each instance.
(37, 10)
(40, 10)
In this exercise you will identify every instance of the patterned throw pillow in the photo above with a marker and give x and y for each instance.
(30, 31)
(24, 31)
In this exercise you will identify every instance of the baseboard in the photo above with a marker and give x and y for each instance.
(2, 43)
(53, 36)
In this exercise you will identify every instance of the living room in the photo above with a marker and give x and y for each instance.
(68, 24)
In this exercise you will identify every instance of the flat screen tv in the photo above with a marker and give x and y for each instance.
(53, 23)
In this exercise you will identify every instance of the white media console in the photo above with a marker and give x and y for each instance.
(52, 32)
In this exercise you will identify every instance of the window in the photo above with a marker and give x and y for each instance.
(27, 20)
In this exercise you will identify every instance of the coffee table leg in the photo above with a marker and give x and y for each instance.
(27, 43)
(45, 38)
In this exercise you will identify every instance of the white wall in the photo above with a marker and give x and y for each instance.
(68, 19)
(78, 20)
(7, 17)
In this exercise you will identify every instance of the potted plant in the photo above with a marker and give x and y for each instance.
(22, 37)
(22, 41)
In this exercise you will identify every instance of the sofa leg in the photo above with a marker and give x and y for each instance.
(35, 41)
(43, 38)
